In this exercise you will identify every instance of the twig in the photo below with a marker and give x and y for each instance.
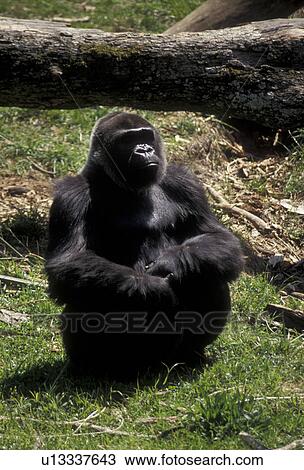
(18, 240)
(68, 21)
(34, 255)
(21, 282)
(92, 415)
(40, 168)
(297, 295)
(300, 397)
(35, 165)
(12, 318)
(222, 203)
(96, 429)
(114, 432)
(293, 445)
(2, 240)
(291, 318)
(106, 431)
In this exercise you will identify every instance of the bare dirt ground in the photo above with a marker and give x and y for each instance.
(21, 193)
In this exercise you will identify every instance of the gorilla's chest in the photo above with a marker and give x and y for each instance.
(134, 233)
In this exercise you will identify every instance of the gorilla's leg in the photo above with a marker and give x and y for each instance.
(209, 303)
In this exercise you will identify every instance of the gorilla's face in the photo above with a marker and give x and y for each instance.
(129, 149)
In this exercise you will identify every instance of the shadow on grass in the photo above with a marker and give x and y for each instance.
(57, 378)
(281, 273)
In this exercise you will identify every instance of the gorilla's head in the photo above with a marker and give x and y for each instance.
(129, 149)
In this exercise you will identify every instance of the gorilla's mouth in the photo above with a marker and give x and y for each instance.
(150, 165)
(143, 166)
(143, 174)
(143, 157)
(147, 168)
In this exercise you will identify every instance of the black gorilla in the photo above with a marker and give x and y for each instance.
(136, 255)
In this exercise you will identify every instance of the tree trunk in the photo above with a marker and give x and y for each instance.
(218, 14)
(254, 72)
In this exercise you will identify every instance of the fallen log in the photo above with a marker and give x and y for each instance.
(218, 14)
(254, 72)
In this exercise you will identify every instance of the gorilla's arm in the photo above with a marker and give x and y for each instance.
(77, 275)
(213, 251)
(216, 253)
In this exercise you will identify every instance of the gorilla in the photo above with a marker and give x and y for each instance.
(136, 256)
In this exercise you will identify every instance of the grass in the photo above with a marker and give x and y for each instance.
(25, 136)
(40, 401)
(295, 181)
(253, 377)
(110, 15)
(246, 368)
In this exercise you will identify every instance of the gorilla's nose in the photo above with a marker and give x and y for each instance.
(144, 151)
(143, 155)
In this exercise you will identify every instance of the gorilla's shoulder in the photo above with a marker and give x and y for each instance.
(71, 184)
(180, 183)
(72, 193)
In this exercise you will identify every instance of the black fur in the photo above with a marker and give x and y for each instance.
(129, 238)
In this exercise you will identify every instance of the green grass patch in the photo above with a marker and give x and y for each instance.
(295, 181)
(110, 15)
(252, 381)
(56, 140)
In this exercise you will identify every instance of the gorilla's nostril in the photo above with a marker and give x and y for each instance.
(143, 155)
(144, 150)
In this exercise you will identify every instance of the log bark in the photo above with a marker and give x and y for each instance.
(254, 72)
(217, 14)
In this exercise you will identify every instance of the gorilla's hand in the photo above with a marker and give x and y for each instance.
(157, 288)
(168, 265)
(145, 287)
